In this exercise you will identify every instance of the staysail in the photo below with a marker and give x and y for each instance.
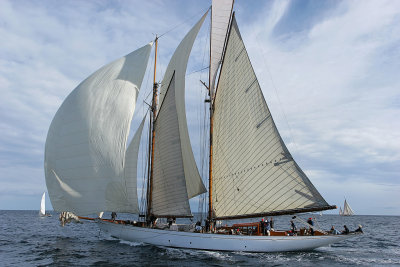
(176, 177)
(221, 11)
(42, 211)
(253, 172)
(86, 142)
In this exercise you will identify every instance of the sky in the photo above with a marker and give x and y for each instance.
(329, 71)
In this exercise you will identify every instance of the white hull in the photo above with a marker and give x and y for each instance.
(217, 242)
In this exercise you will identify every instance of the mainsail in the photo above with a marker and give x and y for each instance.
(176, 177)
(253, 172)
(86, 142)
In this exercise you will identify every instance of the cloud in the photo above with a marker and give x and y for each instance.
(337, 85)
(334, 73)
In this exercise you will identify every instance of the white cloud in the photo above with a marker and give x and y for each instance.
(337, 85)
(337, 80)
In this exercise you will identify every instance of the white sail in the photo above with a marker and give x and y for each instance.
(42, 211)
(220, 15)
(347, 211)
(122, 195)
(340, 211)
(176, 177)
(86, 142)
(253, 171)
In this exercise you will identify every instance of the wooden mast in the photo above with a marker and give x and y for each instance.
(211, 133)
(210, 213)
(151, 145)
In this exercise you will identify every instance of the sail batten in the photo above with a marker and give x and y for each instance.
(253, 172)
(86, 143)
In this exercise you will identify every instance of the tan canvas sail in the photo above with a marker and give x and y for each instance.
(176, 177)
(253, 172)
(86, 142)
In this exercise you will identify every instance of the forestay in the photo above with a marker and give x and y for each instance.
(86, 142)
(220, 15)
(174, 164)
(253, 172)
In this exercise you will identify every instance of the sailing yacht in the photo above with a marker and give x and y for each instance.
(89, 167)
(347, 210)
(42, 211)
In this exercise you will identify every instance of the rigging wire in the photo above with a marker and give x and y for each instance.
(183, 22)
(202, 119)
(200, 70)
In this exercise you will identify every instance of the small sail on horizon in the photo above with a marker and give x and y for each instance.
(347, 210)
(42, 211)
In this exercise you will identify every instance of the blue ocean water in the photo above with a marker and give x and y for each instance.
(28, 240)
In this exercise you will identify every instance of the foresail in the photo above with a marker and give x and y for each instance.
(170, 196)
(173, 157)
(220, 15)
(86, 142)
(253, 172)
(176, 177)
(122, 195)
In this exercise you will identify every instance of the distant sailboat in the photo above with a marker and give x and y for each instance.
(347, 211)
(42, 211)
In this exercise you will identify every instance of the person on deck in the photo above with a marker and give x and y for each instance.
(207, 223)
(334, 231)
(292, 227)
(311, 223)
(169, 220)
(198, 227)
(271, 223)
(267, 227)
(113, 215)
(346, 230)
(262, 226)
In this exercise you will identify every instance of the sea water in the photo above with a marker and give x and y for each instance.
(28, 240)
